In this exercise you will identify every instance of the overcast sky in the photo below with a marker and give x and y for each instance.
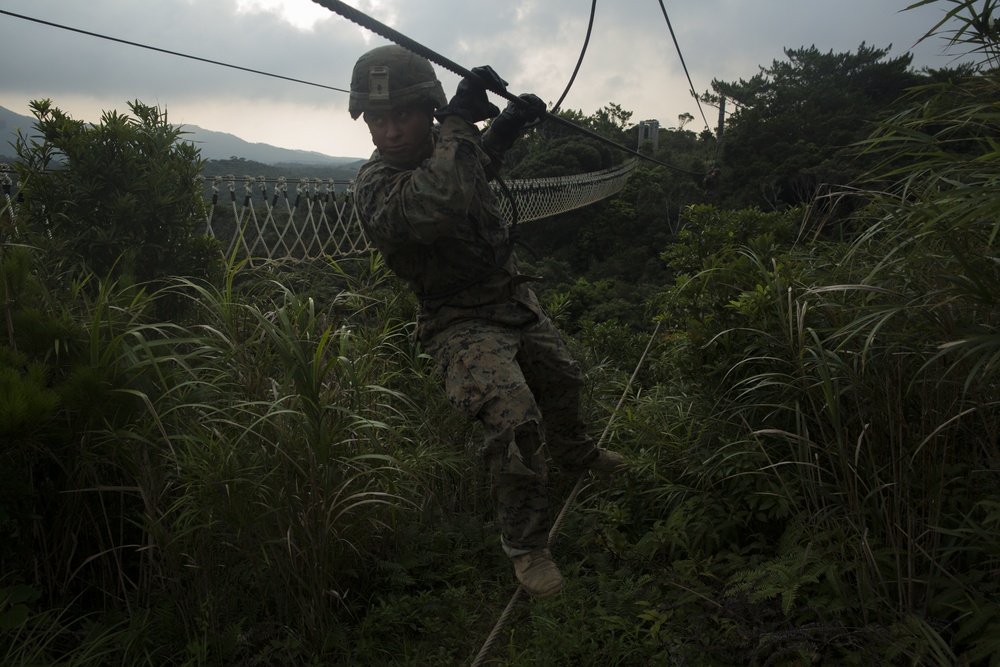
(533, 44)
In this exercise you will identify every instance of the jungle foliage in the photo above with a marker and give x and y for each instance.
(119, 198)
(271, 476)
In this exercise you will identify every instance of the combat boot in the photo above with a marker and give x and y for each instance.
(538, 573)
(608, 463)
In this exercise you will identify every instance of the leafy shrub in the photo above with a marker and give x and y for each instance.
(119, 199)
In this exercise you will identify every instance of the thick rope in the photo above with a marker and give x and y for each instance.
(680, 55)
(554, 531)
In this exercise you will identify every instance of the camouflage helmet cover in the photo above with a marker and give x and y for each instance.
(390, 77)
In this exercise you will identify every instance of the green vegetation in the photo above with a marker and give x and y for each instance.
(241, 168)
(266, 472)
(119, 198)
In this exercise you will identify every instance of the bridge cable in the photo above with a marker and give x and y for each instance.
(381, 29)
(579, 61)
(172, 53)
(683, 64)
(554, 531)
(576, 70)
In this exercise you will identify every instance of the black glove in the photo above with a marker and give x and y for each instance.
(509, 124)
(470, 101)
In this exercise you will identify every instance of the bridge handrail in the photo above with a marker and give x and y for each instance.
(320, 220)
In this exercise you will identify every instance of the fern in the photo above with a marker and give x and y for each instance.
(782, 577)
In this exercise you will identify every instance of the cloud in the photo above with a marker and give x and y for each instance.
(534, 44)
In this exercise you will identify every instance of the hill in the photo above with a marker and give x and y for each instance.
(214, 146)
(241, 167)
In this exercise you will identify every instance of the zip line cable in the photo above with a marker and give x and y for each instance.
(683, 64)
(172, 53)
(382, 30)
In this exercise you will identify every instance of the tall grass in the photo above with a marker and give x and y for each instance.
(238, 477)
(835, 497)
(827, 477)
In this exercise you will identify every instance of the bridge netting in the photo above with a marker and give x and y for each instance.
(278, 221)
(275, 221)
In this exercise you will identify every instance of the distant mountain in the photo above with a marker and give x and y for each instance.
(222, 146)
(10, 122)
(241, 168)
(214, 145)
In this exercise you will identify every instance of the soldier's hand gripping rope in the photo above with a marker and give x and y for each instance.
(470, 101)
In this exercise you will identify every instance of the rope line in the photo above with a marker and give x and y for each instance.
(172, 53)
(570, 500)
(683, 64)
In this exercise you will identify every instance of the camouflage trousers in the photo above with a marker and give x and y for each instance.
(522, 385)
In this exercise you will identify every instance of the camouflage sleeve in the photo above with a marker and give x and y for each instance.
(494, 146)
(420, 205)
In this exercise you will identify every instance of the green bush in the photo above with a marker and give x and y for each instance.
(119, 199)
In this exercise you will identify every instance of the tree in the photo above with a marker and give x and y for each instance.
(795, 122)
(611, 121)
(119, 199)
(555, 149)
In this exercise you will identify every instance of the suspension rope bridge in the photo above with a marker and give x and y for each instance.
(315, 221)
(277, 221)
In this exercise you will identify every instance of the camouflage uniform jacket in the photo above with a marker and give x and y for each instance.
(438, 227)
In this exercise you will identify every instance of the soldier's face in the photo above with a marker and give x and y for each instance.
(401, 135)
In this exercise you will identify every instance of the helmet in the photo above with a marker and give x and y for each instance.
(390, 77)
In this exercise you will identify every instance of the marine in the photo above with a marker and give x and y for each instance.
(426, 203)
